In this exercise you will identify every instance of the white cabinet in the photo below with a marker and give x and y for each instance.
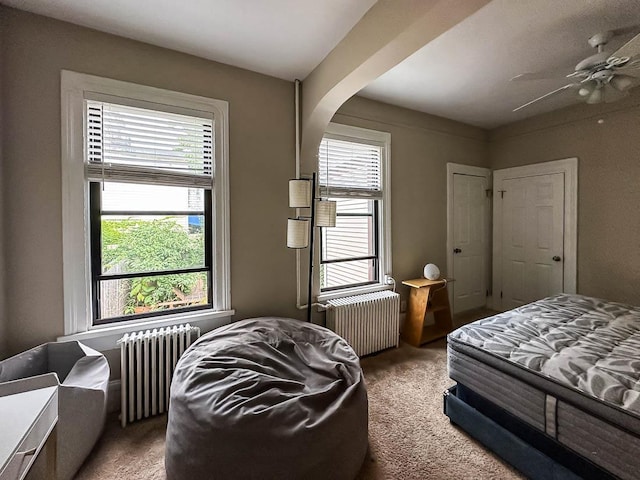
(27, 419)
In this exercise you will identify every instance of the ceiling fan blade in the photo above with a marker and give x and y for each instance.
(546, 75)
(626, 30)
(631, 68)
(546, 95)
(629, 49)
(632, 72)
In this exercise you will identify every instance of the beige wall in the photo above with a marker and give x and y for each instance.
(261, 162)
(421, 146)
(3, 316)
(34, 49)
(261, 149)
(608, 189)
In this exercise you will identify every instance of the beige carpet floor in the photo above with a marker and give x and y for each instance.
(409, 436)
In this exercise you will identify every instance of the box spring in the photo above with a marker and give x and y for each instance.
(533, 453)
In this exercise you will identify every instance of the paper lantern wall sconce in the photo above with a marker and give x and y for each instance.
(325, 213)
(297, 233)
(299, 193)
(301, 229)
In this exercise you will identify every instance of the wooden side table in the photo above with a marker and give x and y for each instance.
(427, 296)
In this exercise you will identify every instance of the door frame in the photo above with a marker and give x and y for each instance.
(457, 168)
(567, 166)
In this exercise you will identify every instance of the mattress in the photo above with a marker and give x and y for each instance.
(567, 365)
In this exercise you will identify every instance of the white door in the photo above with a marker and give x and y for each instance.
(470, 241)
(532, 238)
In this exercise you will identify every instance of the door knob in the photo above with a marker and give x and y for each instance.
(457, 250)
(556, 258)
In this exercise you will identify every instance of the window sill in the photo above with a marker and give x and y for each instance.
(347, 292)
(105, 337)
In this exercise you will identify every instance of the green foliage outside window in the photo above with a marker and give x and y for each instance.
(152, 245)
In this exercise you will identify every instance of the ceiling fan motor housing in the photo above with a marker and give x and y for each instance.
(594, 61)
(603, 75)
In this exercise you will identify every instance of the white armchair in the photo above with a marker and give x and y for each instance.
(83, 377)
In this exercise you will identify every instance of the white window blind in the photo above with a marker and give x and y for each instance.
(350, 172)
(348, 168)
(131, 144)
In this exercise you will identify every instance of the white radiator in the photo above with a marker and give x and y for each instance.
(147, 361)
(369, 322)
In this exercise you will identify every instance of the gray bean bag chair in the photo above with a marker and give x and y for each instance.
(83, 375)
(267, 398)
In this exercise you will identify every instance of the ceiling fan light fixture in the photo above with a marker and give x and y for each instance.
(587, 87)
(622, 83)
(596, 96)
(612, 95)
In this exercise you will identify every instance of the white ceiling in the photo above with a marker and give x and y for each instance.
(463, 75)
(281, 38)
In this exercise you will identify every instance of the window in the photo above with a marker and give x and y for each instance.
(145, 214)
(149, 176)
(353, 171)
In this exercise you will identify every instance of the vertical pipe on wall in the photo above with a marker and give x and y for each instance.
(297, 123)
(4, 328)
(309, 303)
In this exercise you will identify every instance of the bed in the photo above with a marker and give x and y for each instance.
(552, 386)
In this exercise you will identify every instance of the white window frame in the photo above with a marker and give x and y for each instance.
(383, 139)
(76, 251)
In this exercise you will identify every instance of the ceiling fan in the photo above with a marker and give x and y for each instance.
(602, 77)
